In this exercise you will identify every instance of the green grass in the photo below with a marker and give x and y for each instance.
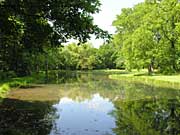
(3, 90)
(18, 82)
(168, 81)
(8, 84)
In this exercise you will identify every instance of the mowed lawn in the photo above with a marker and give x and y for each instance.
(143, 77)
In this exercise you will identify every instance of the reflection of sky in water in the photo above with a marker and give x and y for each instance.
(89, 117)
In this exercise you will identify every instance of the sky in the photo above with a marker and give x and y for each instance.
(109, 10)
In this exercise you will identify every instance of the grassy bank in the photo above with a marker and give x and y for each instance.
(18, 82)
(6, 85)
(159, 80)
(167, 81)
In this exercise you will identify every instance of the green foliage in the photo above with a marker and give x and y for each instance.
(87, 59)
(32, 32)
(82, 57)
(7, 75)
(23, 82)
(3, 90)
(29, 28)
(148, 35)
(107, 56)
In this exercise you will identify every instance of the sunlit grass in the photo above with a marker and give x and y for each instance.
(17, 82)
(3, 90)
(172, 78)
(154, 79)
(5, 87)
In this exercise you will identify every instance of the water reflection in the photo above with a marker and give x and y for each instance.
(19, 117)
(148, 117)
(89, 117)
(90, 104)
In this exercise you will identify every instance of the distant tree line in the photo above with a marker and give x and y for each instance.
(79, 57)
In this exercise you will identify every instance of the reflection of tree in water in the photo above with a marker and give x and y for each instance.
(88, 84)
(157, 114)
(140, 109)
(147, 117)
(19, 117)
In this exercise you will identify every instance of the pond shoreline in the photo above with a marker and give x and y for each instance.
(18, 82)
(157, 80)
(171, 81)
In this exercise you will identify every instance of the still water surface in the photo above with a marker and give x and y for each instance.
(86, 117)
(90, 104)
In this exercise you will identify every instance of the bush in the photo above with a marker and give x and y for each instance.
(7, 75)
(3, 90)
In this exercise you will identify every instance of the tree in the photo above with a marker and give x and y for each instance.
(168, 17)
(69, 56)
(148, 35)
(130, 25)
(87, 59)
(37, 24)
(107, 56)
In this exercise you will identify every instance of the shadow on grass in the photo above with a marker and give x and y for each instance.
(142, 74)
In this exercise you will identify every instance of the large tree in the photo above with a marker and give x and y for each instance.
(29, 26)
(148, 35)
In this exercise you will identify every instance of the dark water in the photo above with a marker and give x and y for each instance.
(90, 104)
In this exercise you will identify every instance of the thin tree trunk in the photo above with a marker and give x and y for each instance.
(150, 71)
(173, 54)
(46, 67)
(150, 67)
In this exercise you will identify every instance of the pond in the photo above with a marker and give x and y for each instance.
(90, 104)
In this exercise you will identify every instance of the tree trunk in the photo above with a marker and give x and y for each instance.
(46, 68)
(173, 52)
(37, 64)
(150, 69)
